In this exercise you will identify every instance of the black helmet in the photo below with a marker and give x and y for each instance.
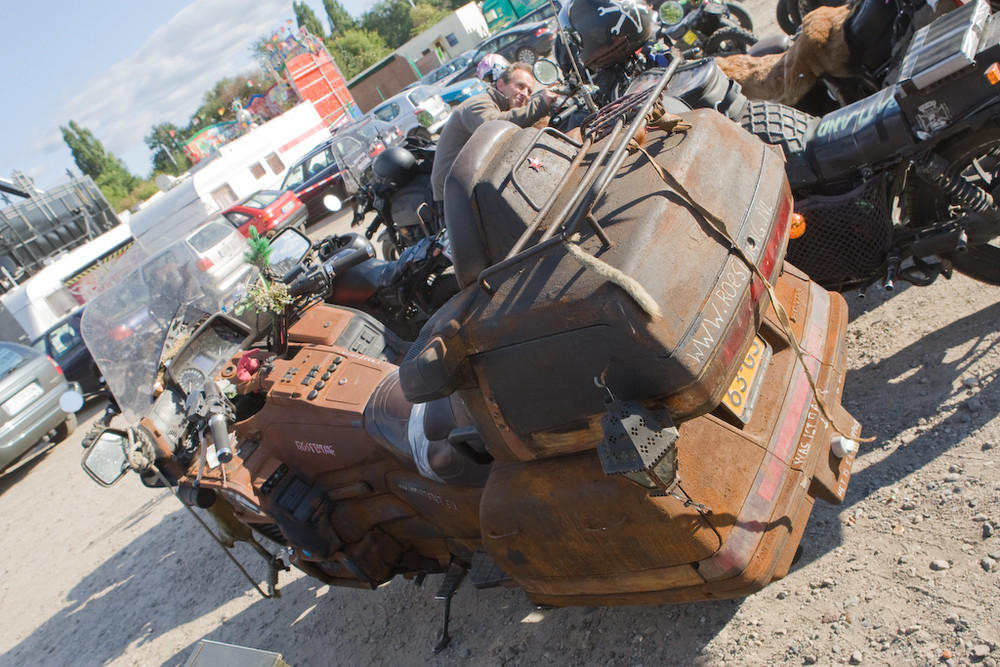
(610, 30)
(396, 165)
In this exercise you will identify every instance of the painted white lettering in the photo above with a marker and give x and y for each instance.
(315, 448)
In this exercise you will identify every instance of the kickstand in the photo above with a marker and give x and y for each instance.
(452, 580)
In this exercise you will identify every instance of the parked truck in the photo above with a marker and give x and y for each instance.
(501, 13)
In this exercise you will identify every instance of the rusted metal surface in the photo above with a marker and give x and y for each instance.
(533, 361)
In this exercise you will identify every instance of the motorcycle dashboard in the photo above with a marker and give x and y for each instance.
(211, 346)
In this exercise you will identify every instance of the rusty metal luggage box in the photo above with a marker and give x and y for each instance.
(547, 331)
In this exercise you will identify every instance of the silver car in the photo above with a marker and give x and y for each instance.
(418, 111)
(31, 385)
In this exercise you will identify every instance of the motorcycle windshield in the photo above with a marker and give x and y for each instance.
(125, 326)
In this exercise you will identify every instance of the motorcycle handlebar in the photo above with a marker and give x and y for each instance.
(313, 281)
(217, 422)
(564, 114)
(316, 279)
(344, 259)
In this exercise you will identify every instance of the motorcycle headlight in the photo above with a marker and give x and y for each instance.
(671, 12)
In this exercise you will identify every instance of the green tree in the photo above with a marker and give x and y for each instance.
(425, 16)
(110, 173)
(391, 20)
(340, 20)
(306, 18)
(88, 152)
(225, 92)
(165, 140)
(357, 50)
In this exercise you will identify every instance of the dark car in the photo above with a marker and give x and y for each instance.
(327, 170)
(64, 344)
(31, 385)
(525, 43)
(267, 211)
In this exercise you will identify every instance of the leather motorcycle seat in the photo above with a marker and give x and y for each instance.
(461, 213)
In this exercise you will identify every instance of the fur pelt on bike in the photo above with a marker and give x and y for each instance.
(819, 48)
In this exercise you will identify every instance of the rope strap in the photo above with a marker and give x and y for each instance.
(779, 309)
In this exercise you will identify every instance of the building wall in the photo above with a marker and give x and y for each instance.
(382, 83)
(456, 33)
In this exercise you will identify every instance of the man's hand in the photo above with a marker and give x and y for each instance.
(549, 96)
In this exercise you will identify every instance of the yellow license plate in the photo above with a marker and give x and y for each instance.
(690, 38)
(742, 393)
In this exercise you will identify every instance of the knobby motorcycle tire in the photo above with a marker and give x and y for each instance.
(729, 40)
(981, 262)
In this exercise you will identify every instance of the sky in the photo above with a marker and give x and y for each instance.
(117, 68)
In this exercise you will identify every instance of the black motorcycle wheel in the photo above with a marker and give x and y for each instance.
(741, 15)
(729, 40)
(975, 156)
(389, 251)
(788, 17)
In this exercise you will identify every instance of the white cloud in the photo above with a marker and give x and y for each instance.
(165, 80)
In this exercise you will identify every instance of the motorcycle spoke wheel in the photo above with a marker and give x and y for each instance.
(729, 40)
(975, 157)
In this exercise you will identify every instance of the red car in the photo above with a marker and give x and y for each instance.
(269, 211)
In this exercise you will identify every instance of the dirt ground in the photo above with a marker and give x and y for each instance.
(905, 571)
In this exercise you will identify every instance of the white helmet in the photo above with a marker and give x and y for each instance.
(491, 67)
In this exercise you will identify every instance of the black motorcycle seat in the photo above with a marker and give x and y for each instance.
(353, 288)
(461, 213)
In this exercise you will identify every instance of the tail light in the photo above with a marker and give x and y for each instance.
(54, 364)
(204, 264)
(741, 330)
(770, 266)
(120, 332)
(541, 31)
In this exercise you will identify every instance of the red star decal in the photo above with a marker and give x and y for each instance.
(535, 164)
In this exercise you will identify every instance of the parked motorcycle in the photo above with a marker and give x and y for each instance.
(399, 192)
(578, 421)
(877, 34)
(607, 46)
(900, 185)
(706, 27)
(401, 293)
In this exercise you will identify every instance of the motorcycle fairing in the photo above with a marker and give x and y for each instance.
(353, 506)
